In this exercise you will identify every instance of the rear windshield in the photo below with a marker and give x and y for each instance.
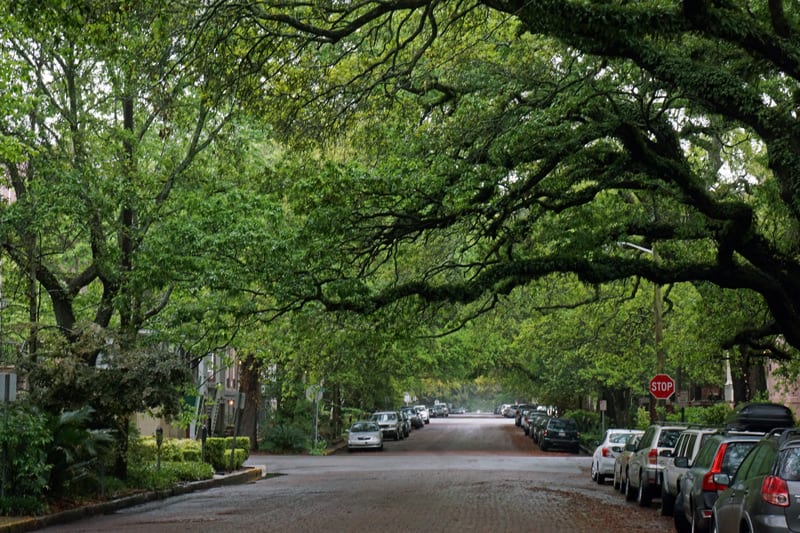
(668, 438)
(789, 464)
(558, 423)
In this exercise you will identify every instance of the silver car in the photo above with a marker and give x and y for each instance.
(762, 496)
(364, 434)
(390, 423)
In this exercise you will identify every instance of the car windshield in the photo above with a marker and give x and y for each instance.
(557, 423)
(619, 438)
(359, 427)
(384, 417)
(668, 438)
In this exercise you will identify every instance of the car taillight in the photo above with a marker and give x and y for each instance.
(652, 456)
(716, 468)
(606, 452)
(775, 491)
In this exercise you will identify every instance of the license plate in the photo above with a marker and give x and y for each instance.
(562, 434)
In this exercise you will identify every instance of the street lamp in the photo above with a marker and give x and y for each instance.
(657, 317)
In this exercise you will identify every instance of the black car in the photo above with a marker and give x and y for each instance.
(560, 433)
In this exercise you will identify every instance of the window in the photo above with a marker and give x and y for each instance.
(790, 464)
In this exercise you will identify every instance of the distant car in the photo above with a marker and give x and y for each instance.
(537, 426)
(721, 453)
(424, 413)
(607, 450)
(762, 495)
(643, 480)
(686, 447)
(560, 433)
(405, 420)
(413, 416)
(364, 434)
(522, 409)
(440, 410)
(621, 463)
(390, 423)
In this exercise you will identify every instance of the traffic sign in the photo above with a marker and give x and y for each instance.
(662, 386)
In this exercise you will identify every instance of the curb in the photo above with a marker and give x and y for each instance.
(31, 523)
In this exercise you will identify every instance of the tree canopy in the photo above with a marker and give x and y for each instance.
(536, 136)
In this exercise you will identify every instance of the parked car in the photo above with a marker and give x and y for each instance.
(560, 433)
(621, 463)
(413, 417)
(537, 426)
(390, 422)
(405, 421)
(525, 420)
(364, 434)
(440, 410)
(761, 496)
(424, 413)
(721, 453)
(643, 480)
(686, 447)
(607, 450)
(520, 412)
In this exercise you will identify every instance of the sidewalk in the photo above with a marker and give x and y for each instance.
(19, 524)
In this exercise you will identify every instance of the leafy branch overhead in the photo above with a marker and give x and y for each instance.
(533, 137)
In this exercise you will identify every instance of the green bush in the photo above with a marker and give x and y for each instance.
(25, 434)
(284, 438)
(218, 452)
(150, 477)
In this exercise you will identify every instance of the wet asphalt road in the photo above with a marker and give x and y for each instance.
(462, 473)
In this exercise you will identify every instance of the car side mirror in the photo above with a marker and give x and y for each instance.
(722, 479)
(682, 462)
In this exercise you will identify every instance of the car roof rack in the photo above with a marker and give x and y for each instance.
(784, 434)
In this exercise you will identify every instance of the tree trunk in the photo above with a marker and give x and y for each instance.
(251, 388)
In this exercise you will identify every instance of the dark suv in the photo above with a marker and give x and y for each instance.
(762, 493)
(560, 433)
(721, 453)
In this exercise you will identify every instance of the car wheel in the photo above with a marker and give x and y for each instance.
(681, 524)
(594, 472)
(543, 446)
(643, 497)
(667, 502)
(630, 495)
(615, 481)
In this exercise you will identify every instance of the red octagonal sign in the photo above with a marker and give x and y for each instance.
(662, 386)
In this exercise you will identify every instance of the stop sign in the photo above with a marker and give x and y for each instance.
(662, 386)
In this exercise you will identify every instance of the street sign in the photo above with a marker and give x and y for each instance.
(662, 386)
(8, 387)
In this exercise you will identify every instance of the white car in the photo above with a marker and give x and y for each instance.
(424, 413)
(607, 450)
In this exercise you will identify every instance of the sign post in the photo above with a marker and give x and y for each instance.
(662, 386)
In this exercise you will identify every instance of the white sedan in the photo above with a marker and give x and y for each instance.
(607, 450)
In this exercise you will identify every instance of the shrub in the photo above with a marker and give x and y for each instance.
(284, 438)
(218, 452)
(24, 433)
(150, 477)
